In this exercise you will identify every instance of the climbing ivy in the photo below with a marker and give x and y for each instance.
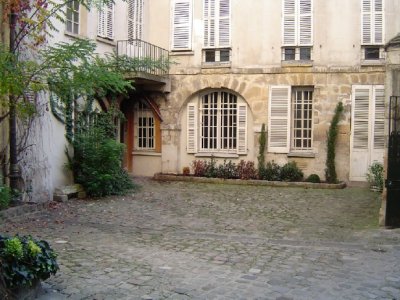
(330, 171)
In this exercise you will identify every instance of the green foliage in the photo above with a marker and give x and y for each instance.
(5, 196)
(96, 163)
(314, 178)
(291, 172)
(261, 157)
(246, 170)
(211, 168)
(226, 170)
(375, 176)
(330, 171)
(271, 172)
(25, 260)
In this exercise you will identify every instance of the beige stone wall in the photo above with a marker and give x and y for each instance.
(330, 87)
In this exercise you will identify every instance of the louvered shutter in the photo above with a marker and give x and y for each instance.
(209, 23)
(135, 19)
(305, 37)
(182, 25)
(378, 31)
(101, 26)
(289, 23)
(192, 128)
(279, 119)
(224, 23)
(366, 26)
(361, 117)
(379, 118)
(110, 21)
(242, 129)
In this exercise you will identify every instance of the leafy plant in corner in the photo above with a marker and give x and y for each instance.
(375, 176)
(314, 178)
(330, 171)
(24, 260)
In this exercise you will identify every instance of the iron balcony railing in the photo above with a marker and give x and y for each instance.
(141, 56)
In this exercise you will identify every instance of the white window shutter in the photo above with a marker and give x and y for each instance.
(361, 117)
(209, 23)
(224, 25)
(305, 26)
(192, 128)
(110, 21)
(242, 129)
(378, 22)
(182, 25)
(135, 19)
(279, 119)
(379, 118)
(289, 23)
(101, 25)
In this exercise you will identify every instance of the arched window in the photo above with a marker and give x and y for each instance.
(216, 122)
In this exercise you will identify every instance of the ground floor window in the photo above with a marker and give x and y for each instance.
(217, 122)
(144, 127)
(302, 112)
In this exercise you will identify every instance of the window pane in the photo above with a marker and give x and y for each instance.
(210, 56)
(371, 53)
(290, 53)
(224, 55)
(305, 53)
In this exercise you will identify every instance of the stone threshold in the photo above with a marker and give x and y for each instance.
(309, 185)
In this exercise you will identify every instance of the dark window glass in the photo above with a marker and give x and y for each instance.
(224, 55)
(305, 53)
(371, 53)
(290, 53)
(210, 56)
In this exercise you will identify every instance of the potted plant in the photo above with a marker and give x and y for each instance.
(375, 176)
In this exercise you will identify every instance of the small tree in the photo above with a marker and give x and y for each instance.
(330, 171)
(262, 140)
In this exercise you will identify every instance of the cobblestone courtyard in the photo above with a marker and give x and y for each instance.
(202, 241)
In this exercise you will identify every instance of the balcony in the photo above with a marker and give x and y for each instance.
(145, 63)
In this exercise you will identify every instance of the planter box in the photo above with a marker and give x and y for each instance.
(171, 177)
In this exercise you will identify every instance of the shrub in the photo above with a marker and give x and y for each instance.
(5, 196)
(290, 172)
(25, 260)
(246, 170)
(97, 164)
(186, 171)
(330, 171)
(314, 178)
(261, 157)
(375, 176)
(211, 168)
(227, 170)
(199, 168)
(271, 172)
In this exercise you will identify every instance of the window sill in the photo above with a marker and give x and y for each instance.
(373, 62)
(181, 53)
(217, 155)
(296, 63)
(301, 154)
(215, 65)
(106, 41)
(73, 35)
(146, 153)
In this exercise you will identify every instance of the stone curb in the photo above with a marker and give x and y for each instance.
(310, 185)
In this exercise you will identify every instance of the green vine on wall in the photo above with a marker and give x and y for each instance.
(330, 171)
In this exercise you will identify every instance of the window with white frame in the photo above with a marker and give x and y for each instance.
(217, 30)
(105, 26)
(144, 127)
(72, 17)
(372, 29)
(217, 122)
(182, 25)
(135, 19)
(297, 30)
(290, 117)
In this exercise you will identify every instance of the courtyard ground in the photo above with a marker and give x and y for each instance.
(175, 240)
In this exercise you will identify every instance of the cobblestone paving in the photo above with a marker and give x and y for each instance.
(203, 241)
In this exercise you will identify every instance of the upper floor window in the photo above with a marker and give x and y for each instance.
(182, 25)
(217, 23)
(297, 29)
(372, 31)
(217, 122)
(72, 17)
(105, 26)
(290, 118)
(135, 19)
